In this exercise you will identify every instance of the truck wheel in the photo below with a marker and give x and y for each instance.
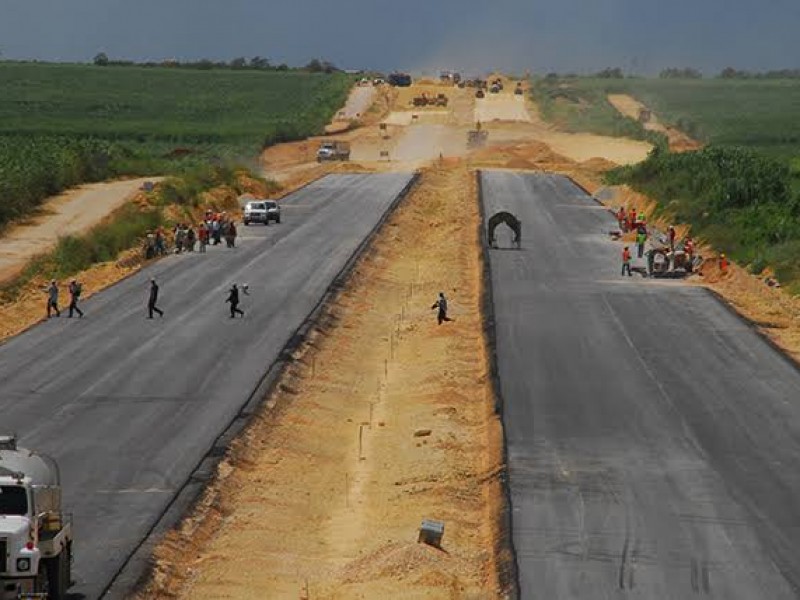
(246, 223)
(41, 584)
(58, 576)
(278, 220)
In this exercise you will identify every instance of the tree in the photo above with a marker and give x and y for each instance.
(239, 63)
(259, 62)
(314, 66)
(101, 59)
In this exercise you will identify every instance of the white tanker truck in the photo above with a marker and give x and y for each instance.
(35, 536)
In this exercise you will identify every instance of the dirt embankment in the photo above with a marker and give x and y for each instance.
(632, 108)
(384, 419)
(70, 213)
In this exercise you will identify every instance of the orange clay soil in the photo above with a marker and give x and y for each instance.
(384, 419)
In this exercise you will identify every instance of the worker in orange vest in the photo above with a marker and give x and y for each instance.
(626, 261)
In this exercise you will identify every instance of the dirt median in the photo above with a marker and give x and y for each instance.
(385, 419)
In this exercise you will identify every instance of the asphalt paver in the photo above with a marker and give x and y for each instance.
(653, 436)
(129, 406)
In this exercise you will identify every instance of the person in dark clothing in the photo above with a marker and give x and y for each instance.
(74, 293)
(52, 299)
(233, 299)
(441, 304)
(151, 303)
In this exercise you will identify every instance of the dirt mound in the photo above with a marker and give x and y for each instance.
(599, 165)
(397, 561)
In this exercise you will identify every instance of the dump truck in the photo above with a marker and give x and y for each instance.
(333, 150)
(35, 535)
(399, 79)
(477, 138)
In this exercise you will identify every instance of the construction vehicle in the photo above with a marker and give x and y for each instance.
(480, 94)
(495, 88)
(333, 150)
(399, 79)
(477, 138)
(667, 263)
(35, 535)
(441, 100)
(518, 90)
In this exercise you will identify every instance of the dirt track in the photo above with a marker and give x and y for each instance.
(71, 212)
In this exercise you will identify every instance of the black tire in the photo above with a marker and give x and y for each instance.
(278, 220)
(246, 223)
(58, 576)
(41, 584)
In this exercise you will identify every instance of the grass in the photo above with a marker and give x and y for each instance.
(578, 108)
(64, 124)
(760, 114)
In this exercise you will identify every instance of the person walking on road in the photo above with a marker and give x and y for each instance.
(202, 235)
(151, 302)
(626, 261)
(441, 304)
(52, 299)
(230, 234)
(233, 299)
(671, 234)
(641, 238)
(75, 289)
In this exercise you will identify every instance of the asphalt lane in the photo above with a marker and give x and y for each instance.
(653, 436)
(128, 406)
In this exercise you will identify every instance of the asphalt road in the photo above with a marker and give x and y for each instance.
(128, 406)
(653, 437)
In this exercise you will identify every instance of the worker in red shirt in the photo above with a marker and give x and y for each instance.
(723, 263)
(622, 219)
(626, 261)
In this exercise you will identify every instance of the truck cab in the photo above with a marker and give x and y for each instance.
(35, 536)
(333, 150)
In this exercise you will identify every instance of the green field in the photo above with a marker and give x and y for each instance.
(64, 124)
(247, 109)
(762, 114)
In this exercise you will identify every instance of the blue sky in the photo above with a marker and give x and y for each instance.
(517, 35)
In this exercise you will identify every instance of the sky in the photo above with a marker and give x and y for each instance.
(581, 36)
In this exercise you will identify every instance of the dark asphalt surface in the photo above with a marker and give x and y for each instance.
(653, 437)
(128, 406)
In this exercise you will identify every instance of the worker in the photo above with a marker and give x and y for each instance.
(230, 234)
(75, 289)
(52, 298)
(233, 299)
(671, 234)
(723, 263)
(202, 235)
(688, 247)
(622, 219)
(441, 304)
(632, 219)
(641, 238)
(151, 302)
(626, 261)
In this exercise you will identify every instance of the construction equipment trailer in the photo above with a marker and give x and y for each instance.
(35, 535)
